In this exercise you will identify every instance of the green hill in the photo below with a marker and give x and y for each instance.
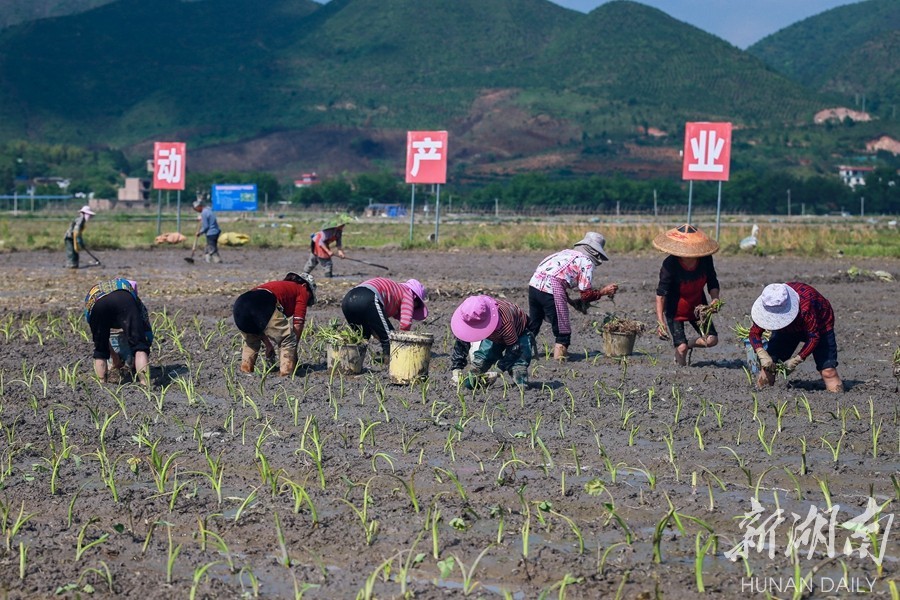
(272, 82)
(851, 51)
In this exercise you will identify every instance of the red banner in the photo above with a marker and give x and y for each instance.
(426, 157)
(169, 160)
(707, 151)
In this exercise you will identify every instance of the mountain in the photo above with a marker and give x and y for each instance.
(13, 12)
(285, 84)
(850, 51)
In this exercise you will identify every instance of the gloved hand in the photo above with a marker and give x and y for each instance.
(580, 305)
(792, 363)
(456, 376)
(765, 361)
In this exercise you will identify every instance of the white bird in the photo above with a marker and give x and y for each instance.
(749, 243)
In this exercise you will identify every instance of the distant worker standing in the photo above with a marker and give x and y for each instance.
(74, 241)
(320, 242)
(567, 269)
(209, 225)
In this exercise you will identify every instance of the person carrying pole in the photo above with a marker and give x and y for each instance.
(320, 242)
(274, 314)
(209, 225)
(547, 295)
(73, 239)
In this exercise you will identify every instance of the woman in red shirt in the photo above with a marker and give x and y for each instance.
(274, 314)
(684, 274)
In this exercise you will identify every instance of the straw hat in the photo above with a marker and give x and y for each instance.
(87, 210)
(776, 307)
(419, 312)
(475, 319)
(685, 241)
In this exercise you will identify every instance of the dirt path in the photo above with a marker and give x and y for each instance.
(424, 478)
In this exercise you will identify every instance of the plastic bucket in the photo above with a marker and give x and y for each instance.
(410, 356)
(346, 359)
(618, 344)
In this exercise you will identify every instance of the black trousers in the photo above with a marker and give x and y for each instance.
(362, 308)
(252, 311)
(117, 310)
(540, 307)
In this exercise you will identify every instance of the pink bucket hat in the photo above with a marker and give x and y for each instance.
(475, 319)
(420, 312)
(776, 307)
(87, 210)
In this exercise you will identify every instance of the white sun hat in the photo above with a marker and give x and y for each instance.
(776, 307)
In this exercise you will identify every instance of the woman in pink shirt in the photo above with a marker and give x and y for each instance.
(370, 304)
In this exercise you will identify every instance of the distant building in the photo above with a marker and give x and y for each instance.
(854, 176)
(306, 180)
(135, 192)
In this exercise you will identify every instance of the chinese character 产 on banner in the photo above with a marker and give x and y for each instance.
(426, 157)
(707, 151)
(169, 161)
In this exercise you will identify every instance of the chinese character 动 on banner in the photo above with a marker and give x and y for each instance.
(169, 161)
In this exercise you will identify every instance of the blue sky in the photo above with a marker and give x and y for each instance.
(741, 22)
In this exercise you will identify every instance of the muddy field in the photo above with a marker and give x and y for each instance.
(604, 478)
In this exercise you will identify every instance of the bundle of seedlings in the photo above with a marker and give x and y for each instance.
(614, 324)
(336, 333)
(704, 313)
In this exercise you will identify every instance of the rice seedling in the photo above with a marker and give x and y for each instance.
(469, 584)
(410, 488)
(700, 551)
(835, 448)
(11, 528)
(369, 527)
(300, 495)
(284, 559)
(779, 412)
(767, 444)
(404, 566)
(80, 546)
(197, 577)
(245, 503)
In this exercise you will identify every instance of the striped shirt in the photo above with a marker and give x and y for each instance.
(397, 299)
(511, 325)
(815, 319)
(570, 266)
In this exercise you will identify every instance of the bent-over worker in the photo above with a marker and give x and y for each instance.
(113, 305)
(320, 245)
(795, 313)
(274, 314)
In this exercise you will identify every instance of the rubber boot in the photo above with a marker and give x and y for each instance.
(288, 362)
(248, 359)
(560, 352)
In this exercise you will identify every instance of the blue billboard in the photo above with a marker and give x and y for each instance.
(235, 197)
